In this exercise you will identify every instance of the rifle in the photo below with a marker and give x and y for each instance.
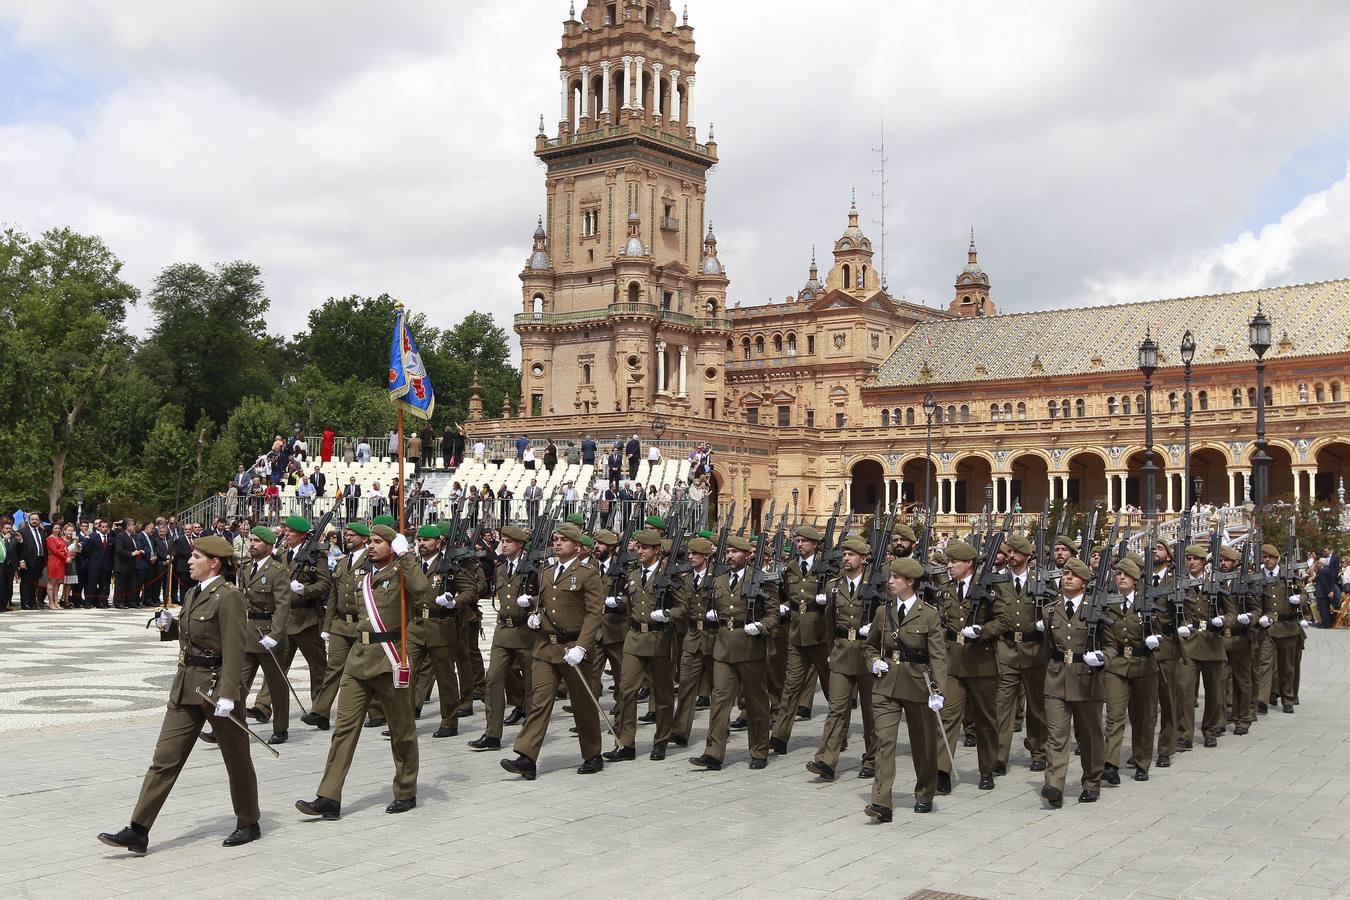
(1038, 585)
(304, 554)
(981, 586)
(1294, 567)
(540, 540)
(829, 556)
(675, 566)
(750, 585)
(1099, 608)
(745, 523)
(618, 566)
(874, 588)
(719, 565)
(1176, 591)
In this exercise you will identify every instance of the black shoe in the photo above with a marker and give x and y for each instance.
(867, 772)
(658, 752)
(522, 765)
(278, 737)
(1164, 762)
(567, 708)
(923, 807)
(516, 717)
(320, 806)
(316, 720)
(464, 713)
(417, 712)
(593, 765)
(759, 763)
(679, 740)
(703, 702)
(376, 723)
(401, 806)
(1087, 797)
(485, 743)
(944, 783)
(619, 754)
(1038, 765)
(644, 693)
(1053, 795)
(1140, 775)
(969, 741)
(739, 723)
(820, 770)
(1017, 728)
(1262, 708)
(647, 719)
(208, 737)
(129, 838)
(386, 733)
(876, 811)
(446, 731)
(1131, 764)
(1000, 768)
(777, 745)
(1240, 730)
(479, 696)
(1183, 745)
(803, 713)
(1288, 707)
(1211, 742)
(257, 714)
(245, 835)
(706, 762)
(986, 782)
(1111, 774)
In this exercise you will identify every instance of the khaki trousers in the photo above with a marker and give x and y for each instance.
(1172, 676)
(440, 660)
(315, 653)
(544, 679)
(1188, 691)
(503, 665)
(1014, 684)
(1214, 674)
(1286, 659)
(275, 680)
(923, 737)
(638, 670)
(979, 695)
(804, 665)
(843, 688)
(1263, 665)
(1135, 699)
(613, 654)
(751, 678)
(776, 671)
(354, 698)
(177, 736)
(1086, 719)
(1239, 684)
(695, 667)
(339, 645)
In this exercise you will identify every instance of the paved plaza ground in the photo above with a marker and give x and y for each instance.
(1265, 815)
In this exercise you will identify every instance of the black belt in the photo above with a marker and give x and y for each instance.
(349, 619)
(1130, 651)
(1167, 630)
(302, 603)
(848, 634)
(260, 616)
(1017, 637)
(1236, 631)
(1067, 656)
(507, 623)
(705, 625)
(380, 637)
(646, 627)
(562, 637)
(204, 662)
(1294, 617)
(903, 653)
(435, 613)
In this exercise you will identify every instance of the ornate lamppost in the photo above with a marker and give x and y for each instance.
(1148, 364)
(1258, 338)
(929, 408)
(1187, 355)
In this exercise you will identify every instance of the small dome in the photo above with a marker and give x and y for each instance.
(634, 247)
(539, 260)
(539, 255)
(712, 266)
(853, 235)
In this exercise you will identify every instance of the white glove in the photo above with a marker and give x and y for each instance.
(400, 544)
(224, 707)
(935, 702)
(782, 609)
(1217, 621)
(165, 618)
(524, 601)
(1153, 642)
(297, 587)
(1244, 619)
(446, 600)
(612, 602)
(533, 621)
(752, 629)
(1040, 624)
(323, 635)
(574, 656)
(971, 632)
(1184, 631)
(660, 615)
(880, 667)
(711, 615)
(821, 599)
(1294, 600)
(865, 630)
(1094, 658)
(1264, 621)
(1304, 623)
(267, 642)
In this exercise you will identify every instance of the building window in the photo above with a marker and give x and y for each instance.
(1335, 392)
(1080, 408)
(1269, 396)
(840, 419)
(590, 223)
(1111, 407)
(745, 347)
(1021, 412)
(752, 415)
(862, 277)
(634, 292)
(994, 412)
(712, 307)
(1237, 397)
(759, 346)
(1172, 404)
(937, 415)
(784, 416)
(586, 374)
(536, 404)
(778, 345)
(810, 418)
(792, 345)
(1007, 411)
(1320, 393)
(1064, 409)
(848, 284)
(1125, 405)
(666, 298)
(965, 413)
(951, 413)
(1251, 397)
(885, 418)
(1054, 410)
(909, 415)
(811, 344)
(1203, 399)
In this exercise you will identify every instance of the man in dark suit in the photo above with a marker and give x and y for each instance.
(157, 572)
(179, 548)
(1328, 588)
(633, 450)
(587, 451)
(534, 495)
(9, 544)
(125, 556)
(96, 550)
(351, 494)
(448, 444)
(32, 560)
(318, 479)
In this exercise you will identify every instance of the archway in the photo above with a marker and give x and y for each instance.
(912, 481)
(1166, 492)
(1279, 474)
(973, 474)
(1087, 479)
(714, 499)
(1333, 467)
(1210, 466)
(867, 486)
(1030, 482)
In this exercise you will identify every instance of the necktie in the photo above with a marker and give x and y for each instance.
(646, 573)
(1068, 610)
(850, 590)
(1018, 579)
(557, 576)
(735, 580)
(511, 570)
(698, 581)
(961, 592)
(254, 574)
(1157, 579)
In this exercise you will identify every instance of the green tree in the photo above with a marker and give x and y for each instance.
(170, 451)
(476, 344)
(349, 337)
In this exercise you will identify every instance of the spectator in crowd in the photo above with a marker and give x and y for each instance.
(485, 498)
(428, 453)
(300, 449)
(1327, 587)
(521, 443)
(615, 467)
(587, 451)
(257, 498)
(534, 494)
(32, 560)
(97, 551)
(663, 500)
(272, 493)
(277, 444)
(633, 450)
(326, 445)
(305, 493)
(609, 504)
(550, 456)
(240, 541)
(378, 500)
(414, 446)
(504, 498)
(126, 559)
(70, 576)
(456, 499)
(363, 451)
(569, 498)
(393, 445)
(318, 479)
(593, 498)
(479, 450)
(232, 498)
(527, 457)
(148, 565)
(9, 563)
(242, 480)
(653, 459)
(351, 497)
(471, 505)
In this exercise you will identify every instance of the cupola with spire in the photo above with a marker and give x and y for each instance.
(539, 256)
(634, 246)
(813, 288)
(711, 264)
(852, 270)
(972, 288)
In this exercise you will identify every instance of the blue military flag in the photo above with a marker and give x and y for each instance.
(409, 386)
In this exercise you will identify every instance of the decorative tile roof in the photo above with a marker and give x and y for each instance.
(1306, 320)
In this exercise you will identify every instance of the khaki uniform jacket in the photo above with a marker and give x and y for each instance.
(345, 600)
(433, 624)
(1170, 649)
(1074, 681)
(318, 582)
(569, 611)
(368, 660)
(733, 645)
(702, 634)
(1284, 623)
(808, 622)
(613, 622)
(511, 631)
(1134, 659)
(967, 658)
(211, 624)
(645, 637)
(267, 592)
(1206, 643)
(846, 654)
(920, 631)
(1020, 645)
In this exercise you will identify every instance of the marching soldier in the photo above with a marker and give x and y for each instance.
(376, 667)
(267, 593)
(567, 621)
(907, 654)
(740, 661)
(804, 602)
(1206, 650)
(1285, 627)
(1237, 645)
(211, 642)
(471, 583)
(512, 641)
(614, 621)
(340, 620)
(849, 673)
(1173, 665)
(433, 627)
(1021, 658)
(696, 658)
(1074, 688)
(651, 629)
(1131, 680)
(903, 541)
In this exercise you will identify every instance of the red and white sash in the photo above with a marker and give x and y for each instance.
(402, 676)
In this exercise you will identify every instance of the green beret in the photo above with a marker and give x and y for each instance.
(429, 531)
(1063, 540)
(444, 527)
(605, 536)
(806, 532)
(264, 534)
(515, 534)
(576, 519)
(960, 551)
(1270, 550)
(569, 531)
(900, 529)
(701, 545)
(1129, 567)
(359, 528)
(1199, 551)
(1020, 543)
(656, 522)
(647, 538)
(384, 531)
(1079, 568)
(706, 535)
(857, 545)
(387, 521)
(587, 541)
(298, 523)
(736, 542)
(907, 566)
(214, 545)
(754, 539)
(1229, 554)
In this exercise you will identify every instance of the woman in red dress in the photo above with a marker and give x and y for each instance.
(326, 445)
(58, 554)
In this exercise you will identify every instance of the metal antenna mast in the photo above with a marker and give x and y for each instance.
(882, 196)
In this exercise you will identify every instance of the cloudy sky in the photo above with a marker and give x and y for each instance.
(1103, 151)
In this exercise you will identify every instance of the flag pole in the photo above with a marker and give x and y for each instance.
(402, 528)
